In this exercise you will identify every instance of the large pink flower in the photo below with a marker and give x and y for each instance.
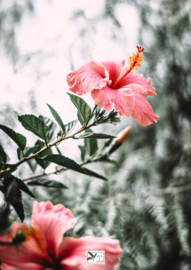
(46, 247)
(112, 84)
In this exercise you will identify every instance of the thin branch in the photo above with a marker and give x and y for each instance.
(54, 172)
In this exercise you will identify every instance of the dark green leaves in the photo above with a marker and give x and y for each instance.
(70, 126)
(19, 139)
(35, 125)
(83, 108)
(65, 162)
(46, 183)
(57, 118)
(96, 135)
(51, 125)
(42, 162)
(94, 174)
(3, 155)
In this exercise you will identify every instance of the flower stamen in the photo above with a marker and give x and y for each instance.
(135, 61)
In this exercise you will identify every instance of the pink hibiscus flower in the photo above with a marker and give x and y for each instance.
(112, 84)
(45, 246)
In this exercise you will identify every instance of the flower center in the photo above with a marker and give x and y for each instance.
(135, 61)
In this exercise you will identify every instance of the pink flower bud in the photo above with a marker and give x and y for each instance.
(123, 135)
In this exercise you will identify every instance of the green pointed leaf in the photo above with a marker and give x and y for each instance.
(65, 162)
(83, 152)
(46, 183)
(3, 155)
(58, 150)
(18, 206)
(80, 119)
(57, 118)
(19, 139)
(32, 164)
(90, 145)
(19, 154)
(94, 174)
(83, 108)
(96, 135)
(35, 125)
(70, 126)
(43, 163)
(20, 184)
(5, 222)
(52, 126)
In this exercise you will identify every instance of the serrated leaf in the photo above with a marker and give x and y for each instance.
(96, 135)
(83, 108)
(20, 184)
(94, 174)
(65, 162)
(57, 118)
(52, 126)
(43, 163)
(35, 125)
(70, 126)
(46, 183)
(3, 155)
(19, 139)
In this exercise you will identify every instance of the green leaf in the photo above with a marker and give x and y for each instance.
(80, 119)
(52, 126)
(58, 150)
(20, 184)
(46, 183)
(90, 145)
(43, 163)
(1, 184)
(32, 164)
(5, 222)
(18, 205)
(35, 125)
(70, 126)
(96, 135)
(3, 155)
(83, 108)
(19, 139)
(94, 174)
(57, 118)
(19, 153)
(83, 152)
(65, 162)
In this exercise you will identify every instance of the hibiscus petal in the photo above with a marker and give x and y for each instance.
(28, 266)
(133, 78)
(122, 99)
(88, 77)
(143, 112)
(115, 69)
(72, 253)
(53, 221)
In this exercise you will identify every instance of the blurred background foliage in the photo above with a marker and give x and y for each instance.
(146, 203)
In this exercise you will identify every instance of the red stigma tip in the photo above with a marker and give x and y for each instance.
(140, 49)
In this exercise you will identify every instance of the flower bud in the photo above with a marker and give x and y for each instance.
(123, 135)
